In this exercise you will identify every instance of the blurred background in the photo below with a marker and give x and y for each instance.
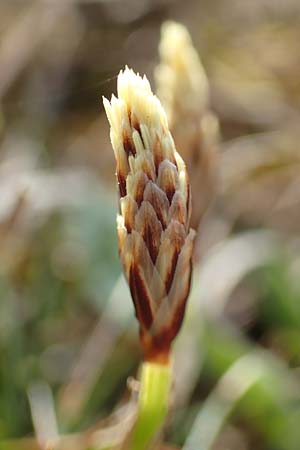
(68, 338)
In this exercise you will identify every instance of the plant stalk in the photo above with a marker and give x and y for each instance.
(156, 381)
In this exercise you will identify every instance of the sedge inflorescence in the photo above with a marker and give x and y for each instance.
(183, 89)
(155, 241)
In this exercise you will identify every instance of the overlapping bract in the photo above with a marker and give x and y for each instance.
(155, 242)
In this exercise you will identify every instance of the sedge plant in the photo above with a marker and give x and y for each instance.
(154, 236)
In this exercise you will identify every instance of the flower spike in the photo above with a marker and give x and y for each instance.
(155, 240)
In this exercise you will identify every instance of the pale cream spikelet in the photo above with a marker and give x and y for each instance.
(183, 89)
(155, 241)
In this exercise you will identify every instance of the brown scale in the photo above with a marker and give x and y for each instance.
(128, 145)
(158, 155)
(157, 347)
(168, 179)
(121, 184)
(177, 243)
(140, 187)
(136, 126)
(178, 314)
(150, 228)
(178, 210)
(148, 169)
(129, 213)
(158, 199)
(135, 123)
(170, 276)
(140, 297)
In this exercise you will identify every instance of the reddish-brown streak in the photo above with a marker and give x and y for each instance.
(128, 220)
(178, 211)
(151, 236)
(140, 297)
(128, 145)
(170, 191)
(179, 312)
(157, 153)
(157, 347)
(146, 167)
(140, 189)
(188, 200)
(153, 196)
(170, 275)
(135, 124)
(121, 184)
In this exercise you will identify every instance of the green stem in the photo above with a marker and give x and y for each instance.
(156, 380)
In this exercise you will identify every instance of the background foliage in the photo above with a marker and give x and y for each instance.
(68, 340)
